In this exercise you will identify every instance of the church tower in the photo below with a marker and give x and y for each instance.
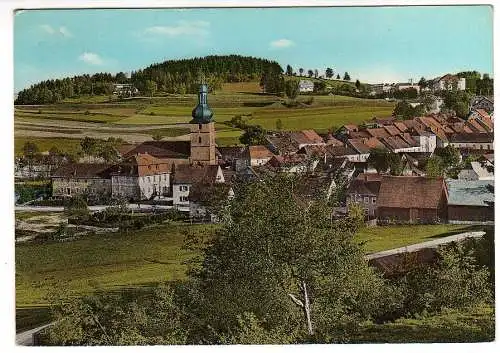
(202, 131)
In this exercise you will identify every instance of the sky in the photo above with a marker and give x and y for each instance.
(373, 44)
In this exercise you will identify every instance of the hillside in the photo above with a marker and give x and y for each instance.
(171, 76)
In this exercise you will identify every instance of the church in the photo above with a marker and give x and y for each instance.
(162, 170)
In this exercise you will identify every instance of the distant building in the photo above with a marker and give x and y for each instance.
(363, 191)
(124, 89)
(306, 86)
(82, 179)
(258, 155)
(470, 200)
(477, 171)
(482, 102)
(448, 83)
(412, 199)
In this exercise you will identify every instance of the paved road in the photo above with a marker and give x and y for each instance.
(425, 245)
(26, 338)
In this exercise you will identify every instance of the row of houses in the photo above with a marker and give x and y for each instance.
(443, 83)
(422, 200)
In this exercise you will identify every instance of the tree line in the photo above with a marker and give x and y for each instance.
(171, 76)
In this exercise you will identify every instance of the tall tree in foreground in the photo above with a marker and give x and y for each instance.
(329, 72)
(281, 261)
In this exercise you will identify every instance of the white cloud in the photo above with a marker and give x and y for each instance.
(281, 43)
(91, 58)
(65, 32)
(181, 28)
(61, 31)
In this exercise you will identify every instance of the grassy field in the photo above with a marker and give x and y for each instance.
(104, 261)
(390, 237)
(44, 144)
(171, 110)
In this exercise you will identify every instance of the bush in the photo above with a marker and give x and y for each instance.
(455, 281)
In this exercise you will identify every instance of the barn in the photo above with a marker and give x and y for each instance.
(412, 199)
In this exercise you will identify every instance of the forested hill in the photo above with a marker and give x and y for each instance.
(171, 76)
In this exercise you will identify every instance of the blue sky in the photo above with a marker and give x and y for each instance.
(374, 44)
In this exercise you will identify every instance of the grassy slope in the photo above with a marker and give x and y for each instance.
(104, 261)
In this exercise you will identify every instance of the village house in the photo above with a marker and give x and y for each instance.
(306, 86)
(258, 155)
(363, 191)
(74, 179)
(141, 177)
(470, 201)
(185, 177)
(473, 141)
(482, 102)
(447, 83)
(296, 163)
(412, 199)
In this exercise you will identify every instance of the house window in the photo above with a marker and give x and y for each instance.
(149, 179)
(366, 211)
(374, 200)
(68, 191)
(366, 199)
(183, 199)
(183, 188)
(199, 126)
(199, 139)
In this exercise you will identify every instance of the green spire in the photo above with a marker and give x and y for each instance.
(202, 114)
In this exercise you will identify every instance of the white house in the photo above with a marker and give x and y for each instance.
(141, 177)
(185, 176)
(306, 86)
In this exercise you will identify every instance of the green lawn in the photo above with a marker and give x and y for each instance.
(390, 237)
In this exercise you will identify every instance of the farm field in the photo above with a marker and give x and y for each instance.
(134, 120)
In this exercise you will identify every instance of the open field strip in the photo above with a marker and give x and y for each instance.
(381, 238)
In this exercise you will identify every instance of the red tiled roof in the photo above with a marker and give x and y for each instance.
(365, 145)
(411, 192)
(259, 151)
(392, 130)
(83, 170)
(306, 137)
(191, 174)
(159, 149)
(402, 127)
(378, 132)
